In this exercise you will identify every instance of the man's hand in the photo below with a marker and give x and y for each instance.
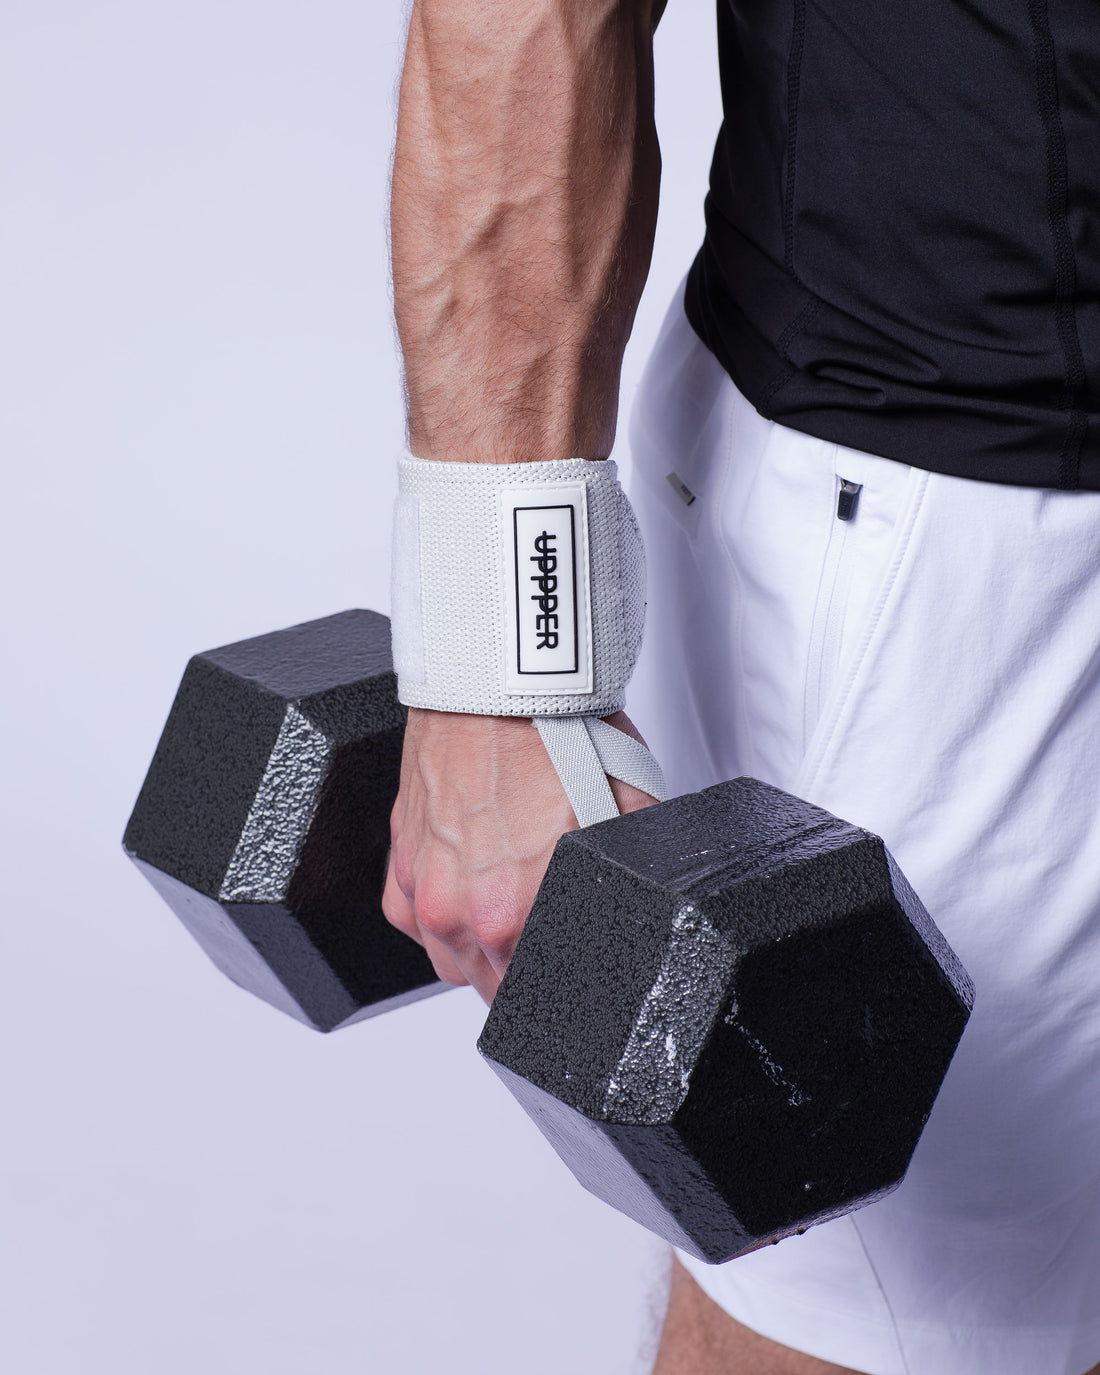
(477, 817)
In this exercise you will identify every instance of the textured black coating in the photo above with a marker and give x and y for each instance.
(204, 777)
(314, 658)
(730, 1014)
(264, 818)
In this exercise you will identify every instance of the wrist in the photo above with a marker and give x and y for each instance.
(518, 590)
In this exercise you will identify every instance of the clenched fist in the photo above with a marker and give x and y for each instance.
(479, 811)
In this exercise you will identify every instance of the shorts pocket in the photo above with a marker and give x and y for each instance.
(861, 578)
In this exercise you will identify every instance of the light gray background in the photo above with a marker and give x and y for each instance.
(200, 414)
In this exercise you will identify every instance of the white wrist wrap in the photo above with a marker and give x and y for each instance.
(518, 589)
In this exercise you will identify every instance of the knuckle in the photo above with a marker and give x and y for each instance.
(496, 929)
(399, 915)
(401, 872)
(438, 919)
(404, 881)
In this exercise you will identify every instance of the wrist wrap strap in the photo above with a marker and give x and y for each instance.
(518, 589)
(584, 749)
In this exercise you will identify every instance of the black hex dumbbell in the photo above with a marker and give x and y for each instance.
(728, 1013)
(264, 818)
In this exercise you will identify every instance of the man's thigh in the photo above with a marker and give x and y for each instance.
(700, 1338)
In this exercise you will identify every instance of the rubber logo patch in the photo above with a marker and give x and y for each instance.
(547, 641)
(546, 589)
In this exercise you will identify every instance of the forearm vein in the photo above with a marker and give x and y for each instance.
(524, 201)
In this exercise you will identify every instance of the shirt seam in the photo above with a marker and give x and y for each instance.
(1065, 264)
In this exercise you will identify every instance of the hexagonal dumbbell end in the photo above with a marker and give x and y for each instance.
(264, 818)
(730, 1016)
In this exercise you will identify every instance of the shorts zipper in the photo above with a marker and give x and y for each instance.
(830, 610)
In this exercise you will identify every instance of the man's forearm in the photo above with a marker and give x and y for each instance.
(524, 201)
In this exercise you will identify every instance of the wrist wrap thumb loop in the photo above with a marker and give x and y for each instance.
(584, 750)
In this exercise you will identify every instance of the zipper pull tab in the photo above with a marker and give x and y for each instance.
(682, 490)
(846, 500)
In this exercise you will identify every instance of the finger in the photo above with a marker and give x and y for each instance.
(474, 969)
(459, 959)
(447, 934)
(396, 907)
(443, 961)
(497, 952)
(484, 978)
(400, 913)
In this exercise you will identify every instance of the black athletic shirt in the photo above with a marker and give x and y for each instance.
(902, 250)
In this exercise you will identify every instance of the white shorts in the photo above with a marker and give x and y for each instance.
(929, 670)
